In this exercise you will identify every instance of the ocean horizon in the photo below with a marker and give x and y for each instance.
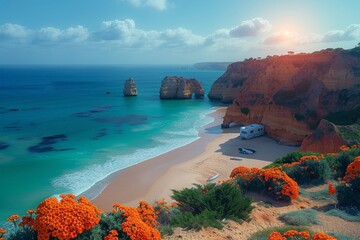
(65, 128)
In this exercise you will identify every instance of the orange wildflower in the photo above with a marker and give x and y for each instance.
(322, 236)
(331, 189)
(113, 235)
(30, 212)
(2, 232)
(13, 218)
(65, 219)
(276, 236)
(294, 233)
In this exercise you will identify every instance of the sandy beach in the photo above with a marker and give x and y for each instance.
(216, 151)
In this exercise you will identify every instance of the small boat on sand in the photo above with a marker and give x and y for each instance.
(212, 178)
(247, 151)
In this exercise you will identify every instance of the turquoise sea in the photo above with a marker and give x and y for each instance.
(61, 132)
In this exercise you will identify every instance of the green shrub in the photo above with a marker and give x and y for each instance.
(245, 110)
(210, 203)
(23, 233)
(166, 230)
(108, 221)
(306, 217)
(309, 172)
(348, 195)
(339, 163)
(264, 234)
(205, 219)
(351, 215)
(289, 158)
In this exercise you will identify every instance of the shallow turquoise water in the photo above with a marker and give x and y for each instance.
(64, 133)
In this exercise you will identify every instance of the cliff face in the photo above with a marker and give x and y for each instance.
(130, 88)
(290, 94)
(180, 88)
(325, 139)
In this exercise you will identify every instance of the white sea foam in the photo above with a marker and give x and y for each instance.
(80, 181)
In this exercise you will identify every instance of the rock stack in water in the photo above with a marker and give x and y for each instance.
(180, 88)
(130, 88)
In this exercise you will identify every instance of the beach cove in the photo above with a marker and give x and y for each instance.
(215, 152)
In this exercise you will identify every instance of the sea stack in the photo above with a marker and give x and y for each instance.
(130, 88)
(173, 87)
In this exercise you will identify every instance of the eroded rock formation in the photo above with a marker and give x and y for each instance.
(180, 88)
(130, 88)
(290, 94)
(325, 139)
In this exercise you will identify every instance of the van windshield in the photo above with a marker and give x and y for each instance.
(243, 132)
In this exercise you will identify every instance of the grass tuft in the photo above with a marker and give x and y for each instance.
(341, 236)
(351, 216)
(321, 195)
(305, 217)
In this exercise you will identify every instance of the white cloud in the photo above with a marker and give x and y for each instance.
(351, 32)
(51, 34)
(117, 30)
(250, 28)
(180, 37)
(13, 32)
(156, 4)
(124, 32)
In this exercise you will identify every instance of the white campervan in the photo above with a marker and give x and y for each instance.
(251, 131)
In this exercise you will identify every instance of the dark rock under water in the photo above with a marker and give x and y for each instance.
(46, 145)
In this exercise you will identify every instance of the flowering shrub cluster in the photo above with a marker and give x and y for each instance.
(348, 192)
(2, 232)
(274, 181)
(293, 234)
(164, 211)
(309, 169)
(65, 219)
(339, 163)
(133, 224)
(352, 170)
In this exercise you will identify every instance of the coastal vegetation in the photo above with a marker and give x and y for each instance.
(211, 205)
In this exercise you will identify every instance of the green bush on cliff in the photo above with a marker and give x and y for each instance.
(348, 195)
(344, 117)
(206, 205)
(288, 158)
(245, 110)
(351, 133)
(309, 172)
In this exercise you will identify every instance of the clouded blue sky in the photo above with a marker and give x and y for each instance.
(170, 31)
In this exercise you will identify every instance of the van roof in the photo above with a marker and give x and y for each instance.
(252, 126)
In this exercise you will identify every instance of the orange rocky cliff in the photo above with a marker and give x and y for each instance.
(290, 94)
(325, 139)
